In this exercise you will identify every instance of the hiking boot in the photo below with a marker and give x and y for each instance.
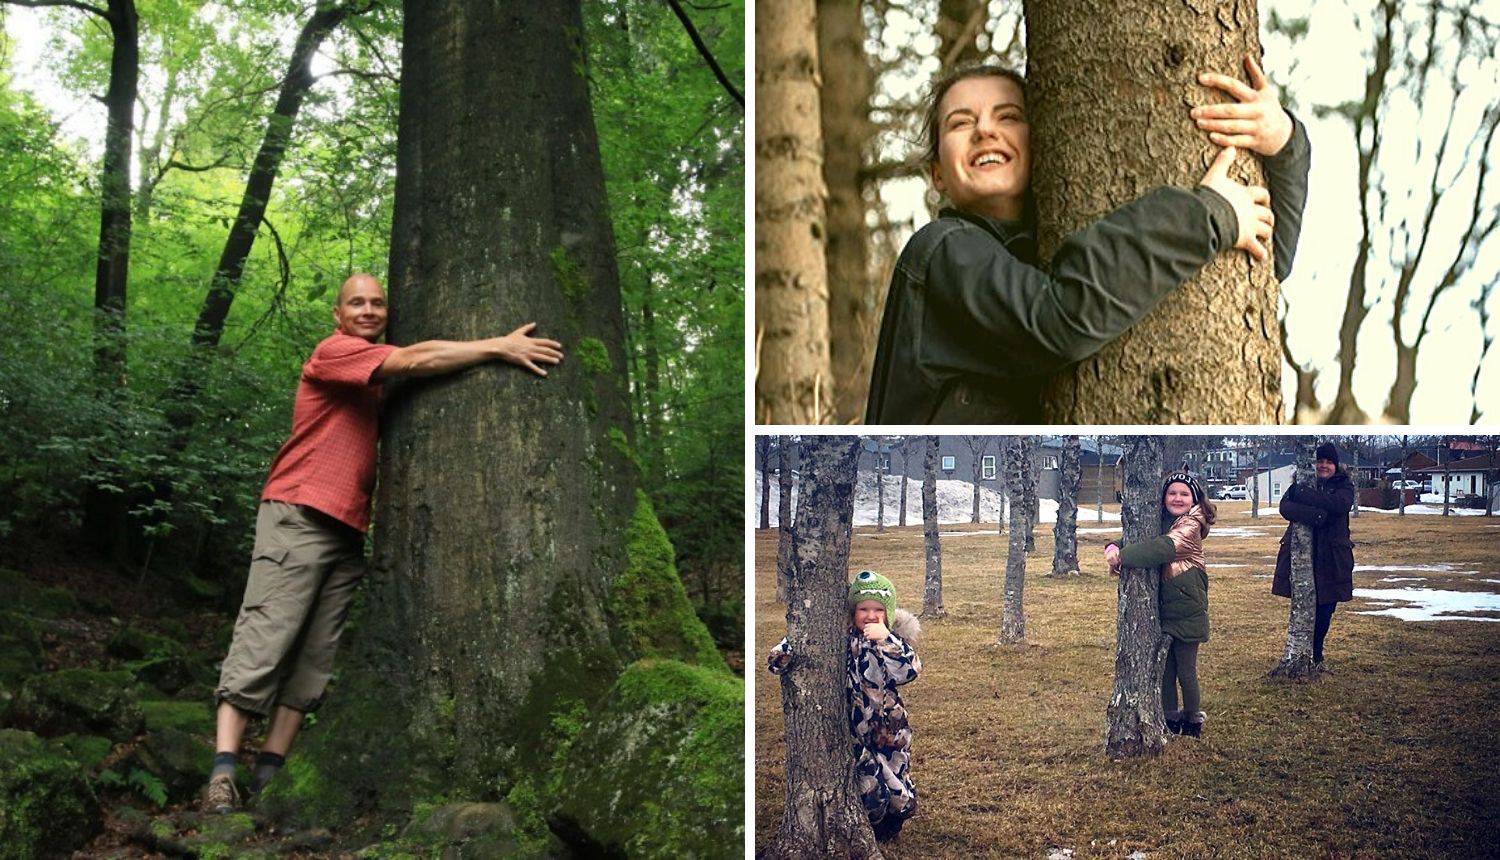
(1192, 727)
(1174, 722)
(221, 797)
(888, 828)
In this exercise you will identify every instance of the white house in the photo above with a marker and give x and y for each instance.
(1471, 475)
(1273, 482)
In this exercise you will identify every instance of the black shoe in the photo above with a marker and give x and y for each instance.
(1191, 729)
(888, 828)
(1174, 727)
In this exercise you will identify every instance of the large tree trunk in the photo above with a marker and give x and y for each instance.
(1229, 370)
(845, 95)
(1065, 532)
(1013, 617)
(823, 815)
(932, 591)
(784, 518)
(1134, 715)
(793, 382)
(518, 568)
(1297, 660)
(763, 449)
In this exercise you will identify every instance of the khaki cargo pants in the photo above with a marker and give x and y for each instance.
(303, 571)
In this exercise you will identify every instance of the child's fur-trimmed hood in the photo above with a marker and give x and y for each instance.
(907, 626)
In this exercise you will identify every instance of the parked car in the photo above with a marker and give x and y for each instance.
(1407, 485)
(1234, 492)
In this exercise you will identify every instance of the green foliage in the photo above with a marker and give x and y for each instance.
(593, 355)
(46, 803)
(143, 782)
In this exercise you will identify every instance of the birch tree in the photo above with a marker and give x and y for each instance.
(1297, 659)
(1134, 717)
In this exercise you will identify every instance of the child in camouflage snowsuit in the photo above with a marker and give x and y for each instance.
(880, 659)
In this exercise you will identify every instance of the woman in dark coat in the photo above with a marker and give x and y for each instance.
(1324, 506)
(973, 326)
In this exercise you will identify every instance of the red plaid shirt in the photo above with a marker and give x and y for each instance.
(328, 463)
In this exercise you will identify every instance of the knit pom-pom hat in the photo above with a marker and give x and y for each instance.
(869, 585)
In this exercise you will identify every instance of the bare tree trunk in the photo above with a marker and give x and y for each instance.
(852, 299)
(1447, 477)
(932, 593)
(1494, 477)
(958, 27)
(784, 519)
(1013, 617)
(1065, 531)
(1134, 715)
(977, 446)
(905, 449)
(1297, 661)
(763, 449)
(1356, 444)
(1033, 504)
(1401, 492)
(1255, 481)
(879, 487)
(1229, 372)
(793, 379)
(1099, 508)
(824, 816)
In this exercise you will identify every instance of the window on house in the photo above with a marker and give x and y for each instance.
(1049, 461)
(949, 463)
(1276, 490)
(987, 467)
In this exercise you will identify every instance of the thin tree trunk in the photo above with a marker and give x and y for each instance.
(1447, 478)
(1356, 445)
(763, 450)
(1065, 532)
(1401, 491)
(905, 471)
(652, 356)
(958, 27)
(823, 814)
(1099, 509)
(1230, 370)
(222, 288)
(1297, 660)
(932, 592)
(1255, 483)
(845, 95)
(879, 488)
(1134, 715)
(784, 518)
(793, 380)
(1028, 486)
(1013, 616)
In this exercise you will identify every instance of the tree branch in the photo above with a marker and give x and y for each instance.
(102, 13)
(704, 52)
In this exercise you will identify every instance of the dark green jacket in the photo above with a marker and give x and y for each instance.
(1182, 599)
(973, 328)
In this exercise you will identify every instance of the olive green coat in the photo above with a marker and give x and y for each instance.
(1183, 598)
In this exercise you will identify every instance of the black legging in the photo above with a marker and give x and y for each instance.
(1320, 628)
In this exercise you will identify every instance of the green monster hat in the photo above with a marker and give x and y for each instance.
(869, 585)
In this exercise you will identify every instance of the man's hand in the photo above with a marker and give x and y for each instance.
(876, 632)
(519, 347)
(1252, 205)
(1256, 122)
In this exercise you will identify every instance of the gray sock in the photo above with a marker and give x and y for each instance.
(266, 767)
(223, 765)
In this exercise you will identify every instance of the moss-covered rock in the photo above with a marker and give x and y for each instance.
(468, 829)
(83, 701)
(90, 751)
(19, 593)
(659, 770)
(171, 714)
(647, 602)
(20, 652)
(133, 643)
(46, 805)
(179, 759)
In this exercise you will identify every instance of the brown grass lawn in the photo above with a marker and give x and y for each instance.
(1396, 752)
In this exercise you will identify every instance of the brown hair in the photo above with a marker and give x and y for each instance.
(940, 88)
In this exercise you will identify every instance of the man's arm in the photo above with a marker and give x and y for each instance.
(437, 357)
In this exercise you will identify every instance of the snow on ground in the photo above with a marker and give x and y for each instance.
(955, 502)
(1428, 510)
(1228, 565)
(1438, 567)
(1404, 579)
(1425, 604)
(1234, 531)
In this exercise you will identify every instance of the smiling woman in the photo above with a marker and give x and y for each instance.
(974, 324)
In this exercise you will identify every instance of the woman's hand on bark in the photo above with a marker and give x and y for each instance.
(1255, 121)
(1252, 205)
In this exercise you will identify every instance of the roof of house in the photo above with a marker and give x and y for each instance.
(1481, 463)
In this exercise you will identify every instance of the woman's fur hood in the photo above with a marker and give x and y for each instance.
(907, 627)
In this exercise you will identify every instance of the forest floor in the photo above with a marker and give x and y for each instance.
(1394, 752)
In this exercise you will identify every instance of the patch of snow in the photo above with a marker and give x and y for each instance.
(1404, 579)
(1428, 510)
(1228, 565)
(1437, 567)
(1234, 531)
(1060, 854)
(1136, 855)
(1114, 531)
(1431, 604)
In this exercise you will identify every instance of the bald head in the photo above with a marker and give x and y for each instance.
(360, 310)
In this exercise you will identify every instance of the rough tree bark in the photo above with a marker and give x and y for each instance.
(1099, 507)
(852, 296)
(932, 586)
(1356, 443)
(1138, 62)
(905, 449)
(784, 517)
(824, 816)
(763, 454)
(1401, 492)
(1444, 460)
(1255, 480)
(1028, 487)
(1134, 715)
(977, 446)
(518, 568)
(793, 382)
(1013, 616)
(1297, 659)
(1065, 532)
(879, 487)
